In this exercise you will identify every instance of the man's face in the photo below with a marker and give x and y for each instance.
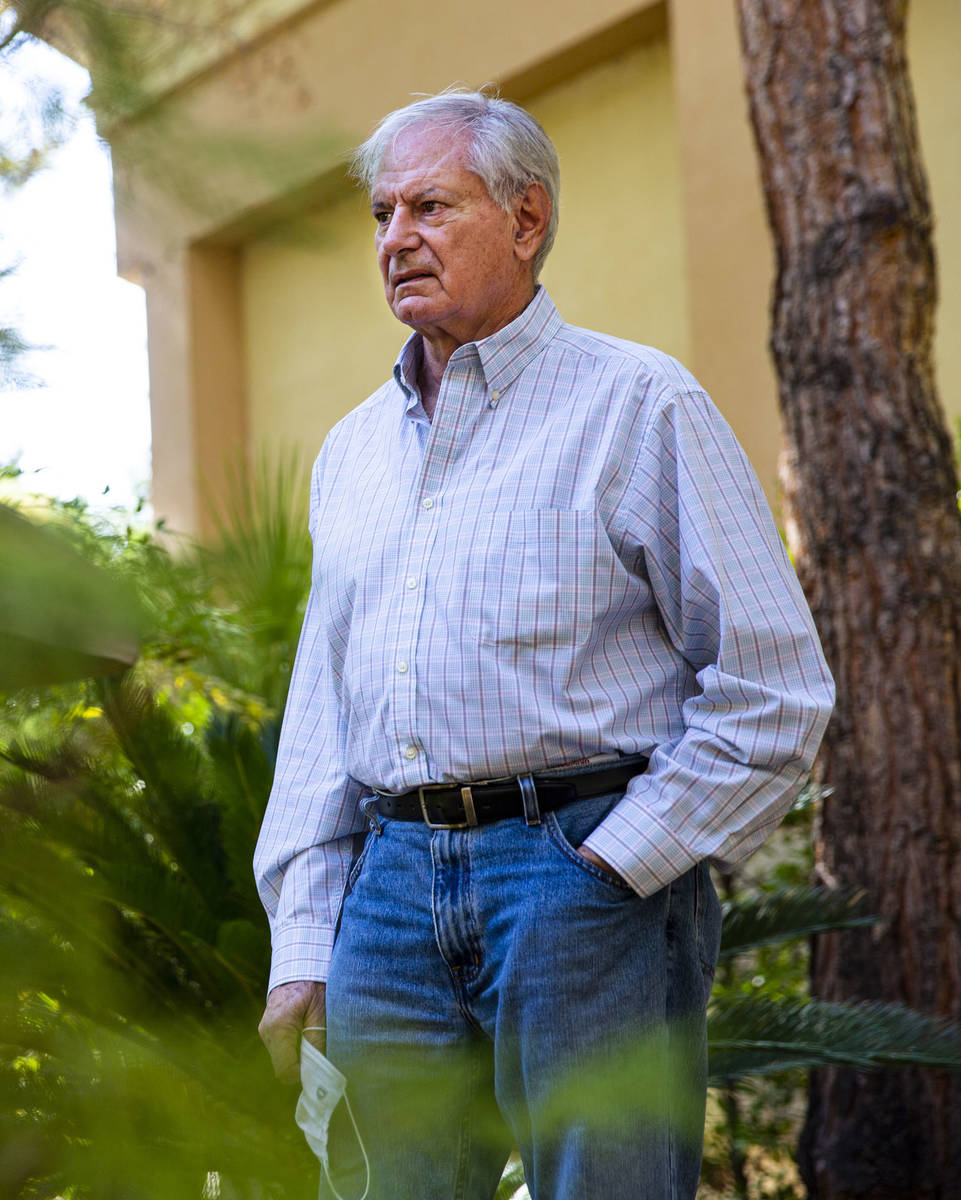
(446, 251)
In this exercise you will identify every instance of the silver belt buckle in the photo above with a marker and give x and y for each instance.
(469, 813)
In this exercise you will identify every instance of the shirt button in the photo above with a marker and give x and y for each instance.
(412, 581)
(428, 503)
(495, 396)
(410, 752)
(402, 667)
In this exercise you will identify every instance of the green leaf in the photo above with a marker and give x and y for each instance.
(755, 1036)
(761, 918)
(61, 617)
(511, 1186)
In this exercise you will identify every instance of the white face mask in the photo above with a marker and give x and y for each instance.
(323, 1089)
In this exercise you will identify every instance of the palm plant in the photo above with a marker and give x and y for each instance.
(751, 1035)
(135, 956)
(765, 1031)
(133, 944)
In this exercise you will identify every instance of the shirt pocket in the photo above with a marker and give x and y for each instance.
(537, 572)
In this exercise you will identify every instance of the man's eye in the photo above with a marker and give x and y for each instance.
(430, 206)
(382, 217)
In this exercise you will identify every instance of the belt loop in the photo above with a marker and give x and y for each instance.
(532, 812)
(369, 807)
(467, 799)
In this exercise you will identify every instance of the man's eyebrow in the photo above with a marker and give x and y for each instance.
(426, 193)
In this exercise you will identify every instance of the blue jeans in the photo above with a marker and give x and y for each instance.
(490, 987)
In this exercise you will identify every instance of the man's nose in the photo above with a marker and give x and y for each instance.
(400, 233)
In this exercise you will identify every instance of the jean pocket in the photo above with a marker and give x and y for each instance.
(567, 828)
(353, 874)
(357, 865)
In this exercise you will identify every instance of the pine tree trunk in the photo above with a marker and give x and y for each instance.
(870, 488)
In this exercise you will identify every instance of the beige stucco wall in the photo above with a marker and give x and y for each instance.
(618, 264)
(729, 256)
(319, 337)
(934, 43)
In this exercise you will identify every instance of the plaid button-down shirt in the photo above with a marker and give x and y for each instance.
(574, 559)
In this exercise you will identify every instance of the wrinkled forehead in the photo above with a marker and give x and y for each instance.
(426, 148)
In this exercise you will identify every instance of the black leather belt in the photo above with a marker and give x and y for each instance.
(457, 806)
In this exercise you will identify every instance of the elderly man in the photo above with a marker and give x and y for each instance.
(554, 662)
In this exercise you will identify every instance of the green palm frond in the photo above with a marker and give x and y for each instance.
(160, 898)
(176, 805)
(258, 564)
(512, 1186)
(760, 918)
(136, 917)
(241, 764)
(758, 1036)
(61, 616)
(53, 901)
(48, 755)
(107, 837)
(232, 607)
(242, 944)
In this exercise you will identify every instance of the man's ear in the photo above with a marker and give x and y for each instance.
(532, 212)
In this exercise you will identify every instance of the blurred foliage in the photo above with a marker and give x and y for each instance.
(134, 948)
(118, 42)
(512, 1185)
(37, 117)
(60, 615)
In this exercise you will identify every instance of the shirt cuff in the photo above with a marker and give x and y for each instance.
(647, 856)
(301, 952)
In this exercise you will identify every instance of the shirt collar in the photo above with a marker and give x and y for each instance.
(406, 368)
(506, 353)
(503, 355)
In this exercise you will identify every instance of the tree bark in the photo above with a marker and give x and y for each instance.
(873, 523)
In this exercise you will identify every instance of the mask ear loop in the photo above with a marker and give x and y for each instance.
(353, 1121)
(350, 1113)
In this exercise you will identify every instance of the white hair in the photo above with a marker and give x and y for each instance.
(507, 148)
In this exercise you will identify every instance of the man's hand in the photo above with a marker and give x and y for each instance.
(291, 1006)
(586, 852)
